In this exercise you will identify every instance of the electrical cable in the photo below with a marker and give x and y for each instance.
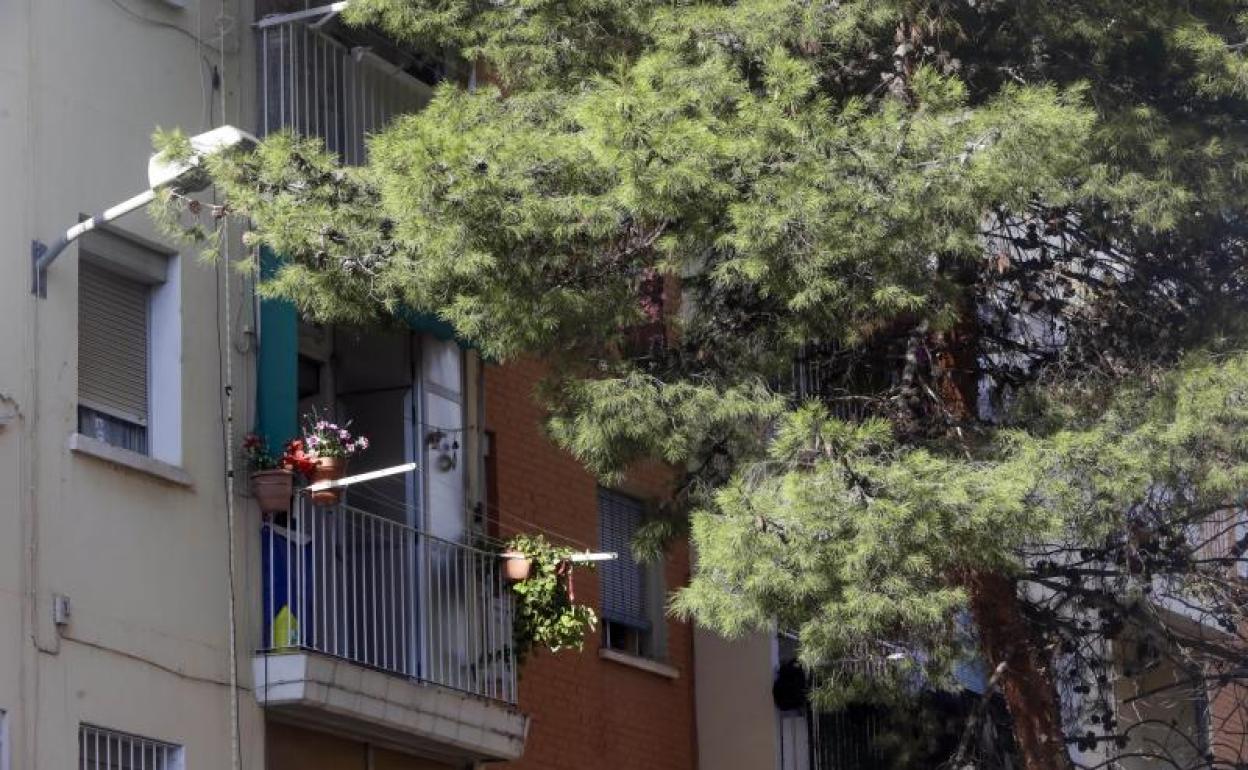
(165, 25)
(206, 64)
(224, 23)
(520, 524)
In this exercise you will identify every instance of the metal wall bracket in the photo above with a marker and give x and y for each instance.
(38, 278)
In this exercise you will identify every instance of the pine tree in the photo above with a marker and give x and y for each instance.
(1003, 240)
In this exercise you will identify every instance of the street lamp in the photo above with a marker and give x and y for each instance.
(182, 176)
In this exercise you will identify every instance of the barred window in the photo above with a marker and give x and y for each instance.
(103, 749)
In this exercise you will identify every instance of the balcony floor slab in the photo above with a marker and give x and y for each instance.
(343, 697)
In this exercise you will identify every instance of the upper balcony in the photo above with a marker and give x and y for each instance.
(320, 78)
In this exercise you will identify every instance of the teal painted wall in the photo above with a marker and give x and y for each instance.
(277, 383)
(277, 386)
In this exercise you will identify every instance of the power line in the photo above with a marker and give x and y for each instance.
(144, 19)
(492, 512)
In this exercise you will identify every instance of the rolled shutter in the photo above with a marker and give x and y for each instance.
(112, 343)
(622, 578)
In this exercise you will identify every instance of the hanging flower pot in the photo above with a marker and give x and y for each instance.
(516, 566)
(328, 469)
(272, 489)
(328, 446)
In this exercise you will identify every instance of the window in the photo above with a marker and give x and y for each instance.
(112, 357)
(630, 591)
(102, 749)
(129, 346)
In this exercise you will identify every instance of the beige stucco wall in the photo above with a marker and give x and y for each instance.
(295, 748)
(736, 718)
(82, 86)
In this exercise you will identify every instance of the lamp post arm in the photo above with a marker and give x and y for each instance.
(43, 255)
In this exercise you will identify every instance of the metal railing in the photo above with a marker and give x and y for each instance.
(103, 749)
(847, 740)
(371, 590)
(823, 372)
(318, 87)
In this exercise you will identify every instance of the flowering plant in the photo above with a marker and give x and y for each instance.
(292, 458)
(296, 458)
(322, 438)
(256, 451)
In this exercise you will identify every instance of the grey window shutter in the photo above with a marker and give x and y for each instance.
(623, 594)
(112, 343)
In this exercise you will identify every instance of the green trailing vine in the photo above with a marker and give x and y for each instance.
(546, 614)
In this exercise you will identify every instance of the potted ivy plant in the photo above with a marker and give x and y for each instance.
(516, 566)
(547, 614)
(328, 447)
(272, 477)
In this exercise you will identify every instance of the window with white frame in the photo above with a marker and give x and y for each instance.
(129, 346)
(631, 603)
(112, 357)
(103, 749)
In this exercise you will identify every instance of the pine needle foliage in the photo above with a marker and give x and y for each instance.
(1012, 231)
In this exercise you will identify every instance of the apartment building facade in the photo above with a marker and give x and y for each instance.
(150, 615)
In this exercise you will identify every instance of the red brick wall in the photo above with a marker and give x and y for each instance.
(1229, 723)
(586, 712)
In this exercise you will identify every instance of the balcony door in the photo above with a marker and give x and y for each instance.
(377, 384)
(405, 392)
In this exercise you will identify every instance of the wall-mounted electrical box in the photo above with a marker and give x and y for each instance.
(60, 610)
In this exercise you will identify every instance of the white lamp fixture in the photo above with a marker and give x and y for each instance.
(185, 176)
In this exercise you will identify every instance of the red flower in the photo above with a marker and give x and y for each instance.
(294, 458)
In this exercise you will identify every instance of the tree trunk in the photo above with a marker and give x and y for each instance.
(1027, 681)
(1005, 637)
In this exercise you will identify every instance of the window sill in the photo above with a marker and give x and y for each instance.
(90, 447)
(643, 664)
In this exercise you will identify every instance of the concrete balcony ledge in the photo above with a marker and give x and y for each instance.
(340, 696)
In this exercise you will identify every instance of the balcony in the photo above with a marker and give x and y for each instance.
(380, 620)
(380, 630)
(835, 376)
(320, 78)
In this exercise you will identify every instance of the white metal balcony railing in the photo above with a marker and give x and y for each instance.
(364, 588)
(317, 86)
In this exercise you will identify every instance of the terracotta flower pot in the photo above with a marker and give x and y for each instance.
(328, 469)
(516, 566)
(273, 489)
